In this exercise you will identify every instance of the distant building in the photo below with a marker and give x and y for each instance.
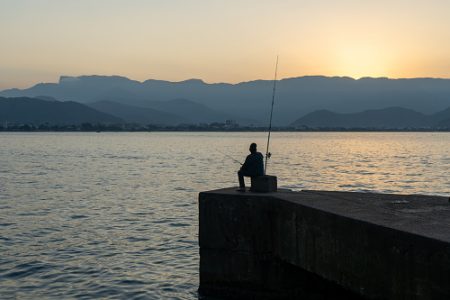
(231, 124)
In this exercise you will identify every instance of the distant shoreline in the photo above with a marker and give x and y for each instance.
(231, 131)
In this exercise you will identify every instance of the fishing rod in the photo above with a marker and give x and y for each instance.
(228, 156)
(268, 154)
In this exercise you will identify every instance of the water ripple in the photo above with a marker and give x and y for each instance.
(115, 215)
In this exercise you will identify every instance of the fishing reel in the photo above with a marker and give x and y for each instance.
(268, 155)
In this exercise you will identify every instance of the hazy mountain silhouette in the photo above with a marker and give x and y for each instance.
(38, 111)
(443, 118)
(442, 115)
(48, 98)
(195, 112)
(176, 110)
(141, 115)
(444, 123)
(388, 118)
(251, 100)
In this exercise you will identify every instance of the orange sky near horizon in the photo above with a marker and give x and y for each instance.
(222, 41)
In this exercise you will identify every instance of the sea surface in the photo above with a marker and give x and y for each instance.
(114, 215)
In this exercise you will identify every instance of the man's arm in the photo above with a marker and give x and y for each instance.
(246, 163)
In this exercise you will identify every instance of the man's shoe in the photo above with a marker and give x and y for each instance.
(242, 190)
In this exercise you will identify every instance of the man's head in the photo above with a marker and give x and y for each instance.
(252, 148)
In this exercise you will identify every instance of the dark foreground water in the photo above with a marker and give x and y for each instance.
(114, 215)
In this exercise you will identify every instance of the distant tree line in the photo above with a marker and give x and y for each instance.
(215, 126)
(93, 127)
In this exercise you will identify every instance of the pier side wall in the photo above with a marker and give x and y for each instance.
(279, 246)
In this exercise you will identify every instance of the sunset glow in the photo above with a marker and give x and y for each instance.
(222, 41)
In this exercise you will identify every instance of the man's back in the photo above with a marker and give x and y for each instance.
(253, 165)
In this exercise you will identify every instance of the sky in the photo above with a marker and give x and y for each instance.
(222, 41)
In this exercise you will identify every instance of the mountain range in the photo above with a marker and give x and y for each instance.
(249, 102)
(43, 110)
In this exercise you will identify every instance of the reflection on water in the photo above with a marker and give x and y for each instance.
(380, 162)
(115, 214)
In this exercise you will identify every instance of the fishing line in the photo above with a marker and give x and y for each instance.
(228, 156)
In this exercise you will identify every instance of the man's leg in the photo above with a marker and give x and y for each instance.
(241, 180)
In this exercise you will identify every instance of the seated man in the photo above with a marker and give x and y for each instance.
(252, 167)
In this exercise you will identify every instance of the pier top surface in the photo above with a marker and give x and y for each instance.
(427, 216)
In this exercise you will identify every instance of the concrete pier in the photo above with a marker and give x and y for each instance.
(323, 245)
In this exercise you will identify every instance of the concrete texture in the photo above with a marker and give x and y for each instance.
(324, 245)
(264, 184)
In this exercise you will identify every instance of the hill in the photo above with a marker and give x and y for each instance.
(39, 111)
(388, 118)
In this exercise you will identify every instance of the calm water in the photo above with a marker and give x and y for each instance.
(115, 214)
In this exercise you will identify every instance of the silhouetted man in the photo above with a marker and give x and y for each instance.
(252, 167)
